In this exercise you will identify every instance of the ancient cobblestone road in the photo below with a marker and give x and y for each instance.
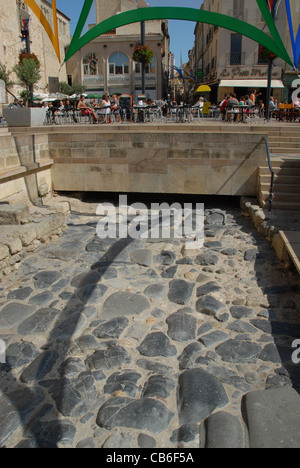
(135, 343)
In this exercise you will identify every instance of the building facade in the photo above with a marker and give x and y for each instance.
(229, 62)
(12, 12)
(105, 65)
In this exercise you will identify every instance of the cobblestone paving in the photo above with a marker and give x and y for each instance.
(127, 344)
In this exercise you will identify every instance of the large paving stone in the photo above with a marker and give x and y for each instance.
(38, 323)
(146, 414)
(157, 344)
(238, 351)
(44, 279)
(199, 395)
(111, 329)
(182, 327)
(111, 358)
(40, 367)
(273, 418)
(223, 431)
(124, 303)
(180, 291)
(75, 397)
(208, 305)
(16, 408)
(14, 313)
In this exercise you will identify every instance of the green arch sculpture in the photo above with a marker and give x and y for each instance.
(273, 43)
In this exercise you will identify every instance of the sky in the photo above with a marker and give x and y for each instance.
(181, 32)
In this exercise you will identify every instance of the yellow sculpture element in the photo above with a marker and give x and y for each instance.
(53, 35)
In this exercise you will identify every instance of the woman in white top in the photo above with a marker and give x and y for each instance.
(105, 108)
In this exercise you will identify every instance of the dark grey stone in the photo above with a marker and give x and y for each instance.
(84, 279)
(213, 339)
(40, 367)
(208, 305)
(242, 327)
(182, 327)
(74, 397)
(199, 395)
(156, 291)
(20, 354)
(189, 355)
(142, 257)
(124, 303)
(186, 433)
(238, 351)
(71, 367)
(44, 279)
(213, 245)
(158, 386)
(111, 358)
(224, 431)
(92, 293)
(146, 414)
(273, 418)
(208, 288)
(123, 381)
(277, 328)
(16, 408)
(230, 252)
(111, 329)
(41, 299)
(156, 344)
(153, 366)
(180, 291)
(215, 217)
(20, 294)
(169, 272)
(48, 434)
(166, 257)
(38, 323)
(275, 353)
(207, 258)
(145, 441)
(239, 312)
(13, 313)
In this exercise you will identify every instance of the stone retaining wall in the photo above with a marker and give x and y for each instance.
(24, 165)
(160, 161)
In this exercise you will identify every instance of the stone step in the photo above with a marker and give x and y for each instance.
(281, 196)
(284, 144)
(280, 179)
(286, 206)
(281, 187)
(277, 149)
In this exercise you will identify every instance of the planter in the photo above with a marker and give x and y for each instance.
(25, 117)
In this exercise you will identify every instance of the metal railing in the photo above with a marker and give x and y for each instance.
(272, 194)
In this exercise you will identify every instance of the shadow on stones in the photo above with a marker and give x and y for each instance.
(279, 319)
(27, 404)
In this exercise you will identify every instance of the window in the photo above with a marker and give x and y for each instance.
(149, 68)
(236, 49)
(238, 8)
(118, 64)
(92, 65)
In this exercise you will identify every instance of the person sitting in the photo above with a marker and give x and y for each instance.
(223, 106)
(115, 107)
(261, 109)
(86, 110)
(232, 106)
(14, 105)
(105, 109)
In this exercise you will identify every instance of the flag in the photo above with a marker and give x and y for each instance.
(25, 29)
(272, 5)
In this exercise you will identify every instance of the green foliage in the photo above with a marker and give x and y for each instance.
(143, 54)
(28, 74)
(65, 88)
(5, 76)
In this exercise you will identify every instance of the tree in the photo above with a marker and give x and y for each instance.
(28, 73)
(5, 76)
(65, 88)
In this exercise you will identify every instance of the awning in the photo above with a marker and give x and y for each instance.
(250, 84)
